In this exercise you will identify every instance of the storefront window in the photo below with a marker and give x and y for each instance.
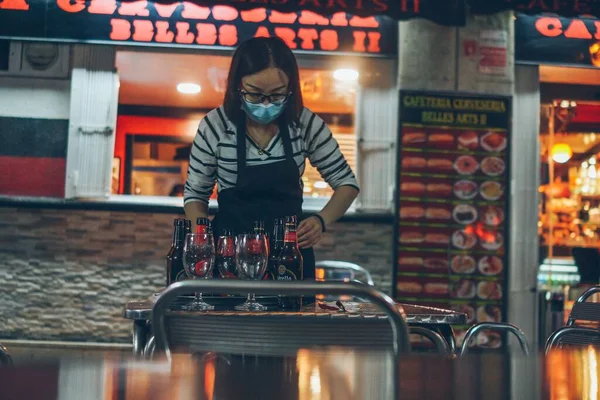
(157, 123)
(569, 224)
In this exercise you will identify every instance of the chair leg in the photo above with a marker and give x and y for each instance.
(434, 337)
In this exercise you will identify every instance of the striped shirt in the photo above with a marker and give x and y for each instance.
(214, 155)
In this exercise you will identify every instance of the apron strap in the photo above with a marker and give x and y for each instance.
(284, 132)
(241, 145)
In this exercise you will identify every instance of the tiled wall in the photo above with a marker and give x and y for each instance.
(65, 274)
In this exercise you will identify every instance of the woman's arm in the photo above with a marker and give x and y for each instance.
(202, 174)
(195, 210)
(339, 203)
(310, 230)
(324, 153)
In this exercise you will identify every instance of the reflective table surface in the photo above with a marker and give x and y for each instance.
(323, 374)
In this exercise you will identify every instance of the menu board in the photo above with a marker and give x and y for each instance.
(452, 205)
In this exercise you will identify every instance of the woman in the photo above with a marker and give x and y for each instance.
(255, 146)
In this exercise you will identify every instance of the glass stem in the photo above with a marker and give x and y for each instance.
(198, 297)
(251, 298)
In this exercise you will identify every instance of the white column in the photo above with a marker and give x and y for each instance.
(93, 117)
(525, 180)
(376, 132)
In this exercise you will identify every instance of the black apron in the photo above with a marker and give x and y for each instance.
(262, 193)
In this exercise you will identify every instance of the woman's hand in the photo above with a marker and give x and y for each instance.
(309, 232)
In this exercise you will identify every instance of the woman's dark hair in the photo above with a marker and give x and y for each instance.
(253, 56)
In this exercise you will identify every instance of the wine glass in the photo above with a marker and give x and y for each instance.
(252, 252)
(225, 256)
(198, 260)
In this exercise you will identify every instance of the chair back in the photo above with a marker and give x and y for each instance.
(573, 336)
(495, 327)
(5, 358)
(255, 331)
(584, 310)
(342, 271)
(251, 329)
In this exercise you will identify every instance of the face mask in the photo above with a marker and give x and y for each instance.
(261, 113)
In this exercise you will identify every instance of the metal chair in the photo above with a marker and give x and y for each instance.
(584, 310)
(5, 358)
(573, 336)
(342, 271)
(438, 341)
(495, 327)
(274, 331)
(261, 333)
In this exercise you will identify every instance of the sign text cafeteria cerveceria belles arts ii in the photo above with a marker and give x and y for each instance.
(461, 111)
(151, 23)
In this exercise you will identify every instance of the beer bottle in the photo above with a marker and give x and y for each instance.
(188, 226)
(175, 269)
(276, 244)
(202, 225)
(289, 263)
(259, 227)
(225, 255)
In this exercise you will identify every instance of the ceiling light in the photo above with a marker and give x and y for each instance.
(345, 75)
(561, 153)
(188, 88)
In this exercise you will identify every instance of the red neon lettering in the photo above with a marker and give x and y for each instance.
(262, 31)
(550, 27)
(374, 38)
(577, 30)
(137, 8)
(165, 10)
(163, 34)
(288, 35)
(259, 1)
(339, 19)
(359, 41)
(315, 3)
(224, 13)
(207, 34)
(308, 37)
(368, 22)
(533, 4)
(228, 35)
(277, 17)
(383, 6)
(67, 6)
(120, 29)
(597, 24)
(311, 18)
(14, 5)
(337, 3)
(192, 11)
(143, 31)
(417, 6)
(183, 33)
(257, 15)
(107, 7)
(329, 40)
